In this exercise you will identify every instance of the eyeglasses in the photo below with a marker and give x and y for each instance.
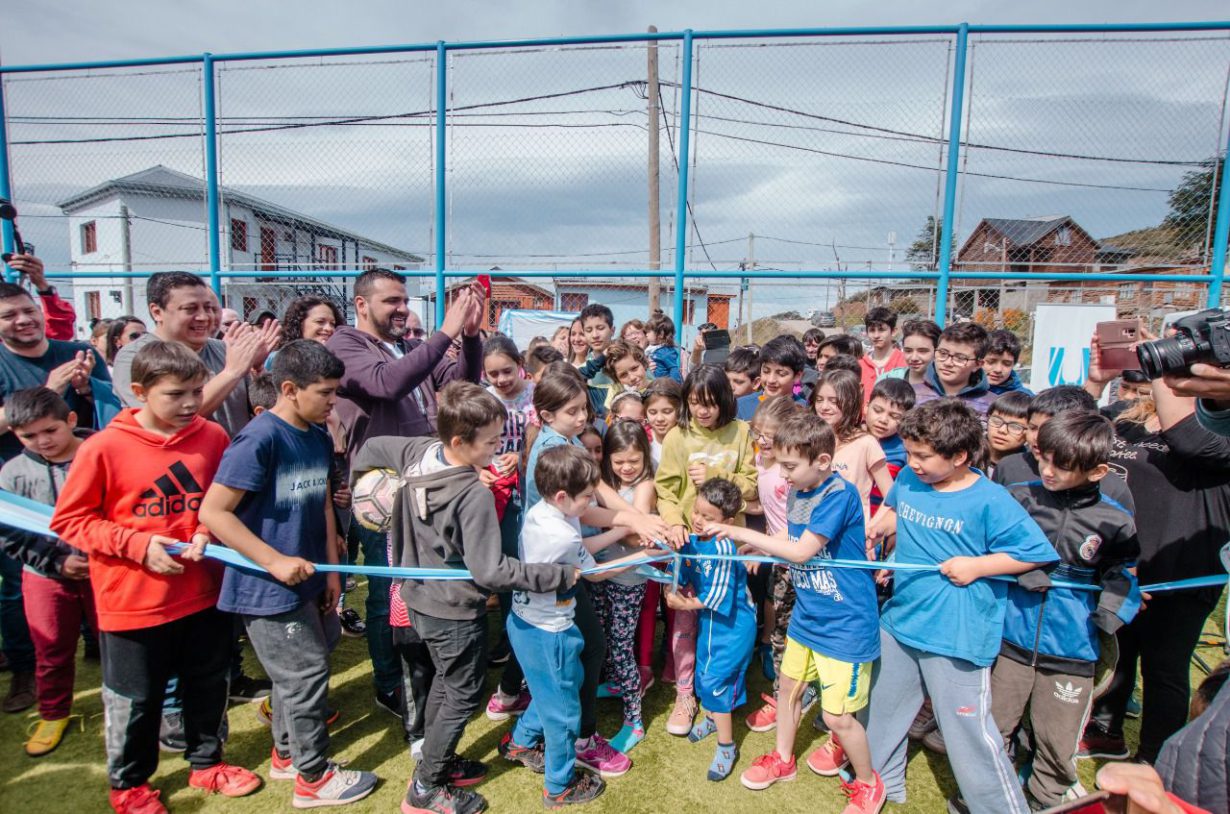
(1014, 427)
(960, 358)
(764, 438)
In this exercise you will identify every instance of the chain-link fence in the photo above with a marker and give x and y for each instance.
(825, 155)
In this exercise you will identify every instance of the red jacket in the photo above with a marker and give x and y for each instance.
(871, 373)
(126, 484)
(60, 317)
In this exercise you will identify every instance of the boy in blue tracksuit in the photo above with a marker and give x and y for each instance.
(726, 625)
(1003, 352)
(941, 630)
(1050, 645)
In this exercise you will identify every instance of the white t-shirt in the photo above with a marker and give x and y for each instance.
(549, 536)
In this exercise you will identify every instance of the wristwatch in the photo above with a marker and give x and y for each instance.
(48, 292)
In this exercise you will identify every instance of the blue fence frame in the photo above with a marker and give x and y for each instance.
(680, 272)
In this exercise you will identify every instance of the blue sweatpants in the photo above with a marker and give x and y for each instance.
(552, 665)
(961, 697)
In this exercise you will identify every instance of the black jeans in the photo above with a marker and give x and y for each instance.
(510, 530)
(419, 673)
(136, 665)
(1163, 636)
(458, 649)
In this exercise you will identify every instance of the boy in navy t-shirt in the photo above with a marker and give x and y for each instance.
(941, 630)
(726, 622)
(270, 502)
(833, 636)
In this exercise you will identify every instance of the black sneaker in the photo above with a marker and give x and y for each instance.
(584, 788)
(463, 772)
(246, 688)
(171, 736)
(956, 805)
(532, 757)
(442, 800)
(353, 625)
(391, 701)
(500, 653)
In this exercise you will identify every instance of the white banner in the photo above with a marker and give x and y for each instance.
(522, 326)
(1061, 342)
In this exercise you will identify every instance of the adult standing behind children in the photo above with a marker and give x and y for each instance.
(381, 394)
(28, 358)
(185, 310)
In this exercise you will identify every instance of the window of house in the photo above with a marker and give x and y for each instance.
(1063, 236)
(239, 235)
(399, 268)
(93, 304)
(495, 308)
(327, 257)
(89, 237)
(369, 263)
(573, 301)
(1127, 291)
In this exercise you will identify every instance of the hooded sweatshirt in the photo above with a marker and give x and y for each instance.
(977, 394)
(127, 484)
(445, 518)
(33, 476)
(1011, 384)
(872, 373)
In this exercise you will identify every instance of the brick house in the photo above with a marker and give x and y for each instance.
(507, 293)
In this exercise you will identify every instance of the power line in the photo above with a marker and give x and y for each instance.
(687, 201)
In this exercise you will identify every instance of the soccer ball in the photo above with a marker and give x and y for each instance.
(374, 497)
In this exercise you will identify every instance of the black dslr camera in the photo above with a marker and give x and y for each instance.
(1203, 337)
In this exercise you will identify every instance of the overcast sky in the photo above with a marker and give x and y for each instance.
(765, 163)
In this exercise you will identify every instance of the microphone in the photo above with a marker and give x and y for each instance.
(9, 212)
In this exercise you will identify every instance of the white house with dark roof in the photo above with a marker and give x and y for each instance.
(156, 220)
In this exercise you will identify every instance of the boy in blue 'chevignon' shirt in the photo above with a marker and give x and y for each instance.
(941, 630)
(834, 632)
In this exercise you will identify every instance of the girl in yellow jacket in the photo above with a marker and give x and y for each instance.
(710, 442)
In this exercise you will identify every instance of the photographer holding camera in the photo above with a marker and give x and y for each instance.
(1194, 360)
(1179, 476)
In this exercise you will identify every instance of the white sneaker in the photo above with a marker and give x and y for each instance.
(336, 787)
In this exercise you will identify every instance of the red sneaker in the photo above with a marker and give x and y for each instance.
(225, 779)
(765, 718)
(829, 759)
(1097, 744)
(767, 770)
(281, 768)
(865, 798)
(141, 799)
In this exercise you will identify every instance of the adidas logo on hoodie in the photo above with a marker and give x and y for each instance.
(174, 492)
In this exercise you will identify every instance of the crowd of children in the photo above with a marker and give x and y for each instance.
(903, 535)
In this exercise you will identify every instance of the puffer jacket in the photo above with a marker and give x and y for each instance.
(1095, 537)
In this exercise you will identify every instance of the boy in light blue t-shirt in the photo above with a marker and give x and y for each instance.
(941, 630)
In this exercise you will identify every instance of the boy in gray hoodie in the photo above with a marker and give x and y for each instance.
(445, 518)
(56, 581)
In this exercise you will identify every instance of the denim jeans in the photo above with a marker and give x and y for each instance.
(386, 666)
(14, 633)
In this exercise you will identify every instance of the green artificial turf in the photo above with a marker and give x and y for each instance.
(668, 773)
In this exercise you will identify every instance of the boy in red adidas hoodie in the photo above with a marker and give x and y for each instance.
(135, 488)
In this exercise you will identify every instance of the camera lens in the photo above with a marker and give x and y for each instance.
(1164, 356)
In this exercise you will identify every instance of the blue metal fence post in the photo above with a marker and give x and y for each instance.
(211, 176)
(1221, 233)
(441, 145)
(950, 180)
(6, 191)
(681, 215)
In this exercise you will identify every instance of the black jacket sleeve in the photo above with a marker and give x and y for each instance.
(39, 551)
(1195, 446)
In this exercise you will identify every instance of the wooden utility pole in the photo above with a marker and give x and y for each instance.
(655, 215)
